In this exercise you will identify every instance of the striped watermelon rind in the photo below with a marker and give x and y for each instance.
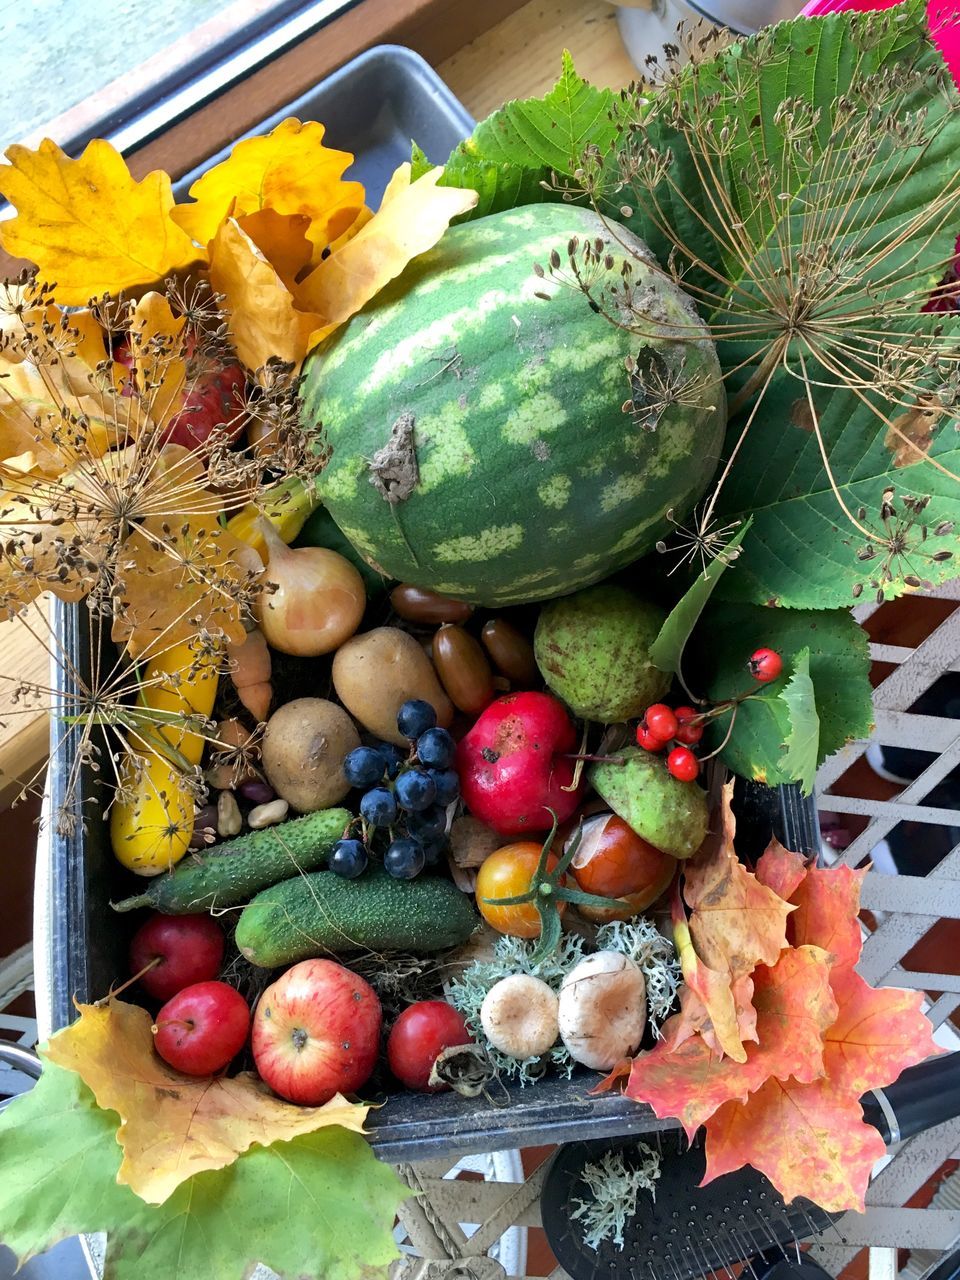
(533, 481)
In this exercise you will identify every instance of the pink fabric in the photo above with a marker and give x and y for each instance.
(942, 15)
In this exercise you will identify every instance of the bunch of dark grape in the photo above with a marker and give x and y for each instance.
(404, 795)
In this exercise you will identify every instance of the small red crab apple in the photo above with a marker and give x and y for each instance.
(683, 764)
(765, 665)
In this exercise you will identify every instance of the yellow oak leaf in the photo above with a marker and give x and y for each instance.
(290, 171)
(411, 219)
(87, 224)
(158, 347)
(281, 238)
(262, 318)
(173, 1126)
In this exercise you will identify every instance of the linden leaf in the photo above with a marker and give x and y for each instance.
(289, 171)
(262, 318)
(735, 922)
(828, 905)
(802, 742)
(876, 1035)
(411, 219)
(174, 1126)
(794, 1005)
(86, 223)
(781, 870)
(316, 1207)
(809, 1139)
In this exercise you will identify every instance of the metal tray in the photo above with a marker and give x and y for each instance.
(372, 107)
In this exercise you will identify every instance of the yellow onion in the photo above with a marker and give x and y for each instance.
(313, 598)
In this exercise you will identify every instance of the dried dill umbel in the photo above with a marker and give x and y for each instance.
(114, 496)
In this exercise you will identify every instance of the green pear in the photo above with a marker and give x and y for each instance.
(593, 650)
(670, 815)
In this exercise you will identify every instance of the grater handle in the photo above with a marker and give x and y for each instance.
(923, 1096)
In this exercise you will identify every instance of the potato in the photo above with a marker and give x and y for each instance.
(304, 745)
(375, 673)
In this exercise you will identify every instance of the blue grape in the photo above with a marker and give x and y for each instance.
(415, 717)
(364, 767)
(349, 859)
(433, 849)
(436, 749)
(379, 807)
(404, 859)
(447, 784)
(416, 790)
(394, 756)
(428, 823)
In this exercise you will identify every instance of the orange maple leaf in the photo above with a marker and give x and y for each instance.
(809, 1139)
(877, 1033)
(781, 870)
(794, 1006)
(828, 906)
(735, 922)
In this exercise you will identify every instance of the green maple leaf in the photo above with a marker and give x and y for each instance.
(320, 1207)
(522, 144)
(778, 737)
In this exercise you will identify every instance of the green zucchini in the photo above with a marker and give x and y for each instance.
(231, 871)
(322, 913)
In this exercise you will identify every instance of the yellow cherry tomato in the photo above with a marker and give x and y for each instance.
(151, 820)
(507, 873)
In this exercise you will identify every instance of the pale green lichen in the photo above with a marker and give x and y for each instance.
(656, 957)
(614, 1190)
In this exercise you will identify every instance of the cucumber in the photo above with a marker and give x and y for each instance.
(231, 871)
(322, 913)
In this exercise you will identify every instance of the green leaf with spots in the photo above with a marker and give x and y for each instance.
(518, 148)
(839, 666)
(803, 740)
(320, 1207)
(667, 650)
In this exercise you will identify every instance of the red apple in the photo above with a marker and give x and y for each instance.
(214, 404)
(419, 1036)
(316, 1032)
(202, 1028)
(187, 949)
(514, 765)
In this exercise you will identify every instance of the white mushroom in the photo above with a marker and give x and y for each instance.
(603, 1009)
(519, 1016)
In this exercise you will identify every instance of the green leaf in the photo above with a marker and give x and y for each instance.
(320, 1207)
(517, 148)
(839, 667)
(803, 740)
(667, 650)
(884, 242)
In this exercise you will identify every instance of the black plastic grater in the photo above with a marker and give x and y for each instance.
(689, 1231)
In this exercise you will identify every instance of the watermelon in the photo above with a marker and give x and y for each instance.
(491, 444)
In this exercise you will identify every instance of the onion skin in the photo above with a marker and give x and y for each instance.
(317, 600)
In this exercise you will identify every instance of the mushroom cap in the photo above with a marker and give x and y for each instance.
(519, 1016)
(603, 1009)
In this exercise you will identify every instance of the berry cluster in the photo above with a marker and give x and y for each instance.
(405, 795)
(682, 726)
